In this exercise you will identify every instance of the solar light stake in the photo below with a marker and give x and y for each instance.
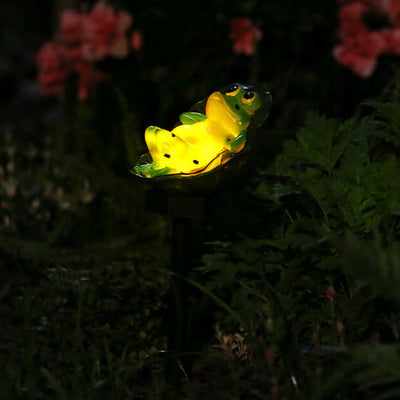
(200, 155)
(183, 210)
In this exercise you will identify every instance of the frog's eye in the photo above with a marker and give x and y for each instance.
(248, 97)
(233, 91)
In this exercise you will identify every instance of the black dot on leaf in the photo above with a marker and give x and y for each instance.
(167, 155)
(195, 161)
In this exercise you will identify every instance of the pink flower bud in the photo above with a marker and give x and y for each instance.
(136, 40)
(244, 36)
(339, 327)
(330, 293)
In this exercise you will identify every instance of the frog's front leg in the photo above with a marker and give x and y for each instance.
(151, 137)
(190, 118)
(238, 143)
(151, 169)
(154, 137)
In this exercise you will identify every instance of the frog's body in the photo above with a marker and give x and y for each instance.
(197, 143)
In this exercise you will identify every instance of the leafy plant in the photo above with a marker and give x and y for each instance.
(322, 278)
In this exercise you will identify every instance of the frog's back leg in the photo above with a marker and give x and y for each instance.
(165, 147)
(153, 137)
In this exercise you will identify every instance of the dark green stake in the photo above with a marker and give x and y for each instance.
(183, 209)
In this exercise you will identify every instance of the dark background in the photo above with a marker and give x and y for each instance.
(85, 249)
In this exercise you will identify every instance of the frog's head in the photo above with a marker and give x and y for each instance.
(240, 102)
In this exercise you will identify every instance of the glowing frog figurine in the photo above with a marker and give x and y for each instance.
(199, 143)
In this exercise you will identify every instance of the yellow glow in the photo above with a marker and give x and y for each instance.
(188, 148)
(202, 145)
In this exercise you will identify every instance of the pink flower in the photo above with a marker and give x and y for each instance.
(136, 40)
(360, 46)
(53, 68)
(391, 8)
(84, 37)
(244, 36)
(351, 23)
(353, 11)
(72, 33)
(104, 33)
(88, 77)
(360, 65)
(392, 40)
(71, 27)
(374, 44)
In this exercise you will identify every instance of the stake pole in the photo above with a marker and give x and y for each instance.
(183, 209)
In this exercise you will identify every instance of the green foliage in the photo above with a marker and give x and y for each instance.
(73, 314)
(82, 310)
(374, 263)
(319, 285)
(334, 164)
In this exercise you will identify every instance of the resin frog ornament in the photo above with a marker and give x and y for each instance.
(202, 140)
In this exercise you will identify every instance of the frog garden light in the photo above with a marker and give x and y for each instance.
(205, 151)
(204, 140)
